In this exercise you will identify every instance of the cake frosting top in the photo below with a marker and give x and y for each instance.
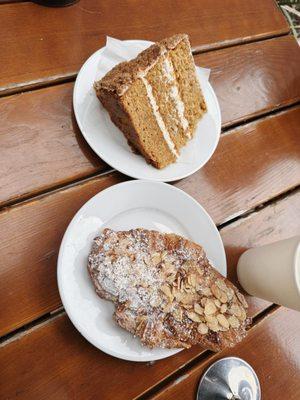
(124, 74)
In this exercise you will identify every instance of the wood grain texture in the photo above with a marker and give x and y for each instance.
(272, 348)
(252, 164)
(42, 44)
(41, 146)
(254, 78)
(76, 367)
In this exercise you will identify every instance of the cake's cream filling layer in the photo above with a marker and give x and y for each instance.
(174, 93)
(158, 116)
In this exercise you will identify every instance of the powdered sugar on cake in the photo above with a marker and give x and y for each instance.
(131, 277)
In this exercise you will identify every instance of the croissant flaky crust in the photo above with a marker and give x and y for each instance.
(165, 290)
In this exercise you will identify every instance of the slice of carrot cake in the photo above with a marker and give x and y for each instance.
(155, 99)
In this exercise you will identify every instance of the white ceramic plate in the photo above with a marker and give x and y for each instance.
(109, 143)
(125, 206)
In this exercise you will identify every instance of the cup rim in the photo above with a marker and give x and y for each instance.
(296, 266)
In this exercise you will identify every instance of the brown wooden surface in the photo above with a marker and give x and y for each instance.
(76, 369)
(272, 348)
(252, 164)
(231, 183)
(60, 39)
(256, 77)
(41, 146)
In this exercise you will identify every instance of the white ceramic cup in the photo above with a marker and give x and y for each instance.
(272, 272)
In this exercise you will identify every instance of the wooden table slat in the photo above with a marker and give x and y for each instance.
(272, 348)
(68, 354)
(252, 164)
(60, 39)
(41, 146)
(254, 78)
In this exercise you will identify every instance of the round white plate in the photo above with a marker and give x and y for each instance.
(109, 143)
(125, 206)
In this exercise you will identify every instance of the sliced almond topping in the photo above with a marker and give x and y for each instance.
(193, 316)
(199, 310)
(189, 289)
(222, 329)
(211, 319)
(219, 294)
(243, 315)
(230, 294)
(178, 314)
(179, 282)
(169, 267)
(216, 291)
(217, 303)
(214, 326)
(206, 291)
(167, 291)
(170, 278)
(178, 295)
(223, 321)
(224, 298)
(142, 322)
(221, 285)
(156, 258)
(242, 299)
(223, 308)
(186, 288)
(164, 254)
(167, 307)
(233, 321)
(193, 280)
(187, 264)
(210, 307)
(202, 329)
(188, 298)
(235, 310)
(187, 306)
(203, 301)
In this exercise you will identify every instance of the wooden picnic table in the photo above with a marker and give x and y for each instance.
(47, 172)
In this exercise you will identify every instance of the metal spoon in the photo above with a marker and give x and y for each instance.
(229, 378)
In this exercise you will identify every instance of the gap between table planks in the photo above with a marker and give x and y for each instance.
(19, 392)
(50, 44)
(232, 183)
(73, 353)
(272, 348)
(39, 132)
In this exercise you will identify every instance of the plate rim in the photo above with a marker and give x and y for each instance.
(120, 168)
(59, 278)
